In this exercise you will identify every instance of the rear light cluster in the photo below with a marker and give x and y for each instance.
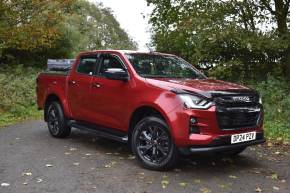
(193, 127)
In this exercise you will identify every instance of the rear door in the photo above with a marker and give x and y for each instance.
(79, 87)
(111, 97)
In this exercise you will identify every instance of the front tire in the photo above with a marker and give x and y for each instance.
(56, 121)
(152, 144)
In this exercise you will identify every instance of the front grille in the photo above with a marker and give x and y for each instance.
(233, 114)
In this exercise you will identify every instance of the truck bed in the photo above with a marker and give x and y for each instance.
(46, 81)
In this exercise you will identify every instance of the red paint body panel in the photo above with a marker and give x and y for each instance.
(113, 103)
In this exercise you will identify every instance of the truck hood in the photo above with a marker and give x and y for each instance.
(201, 86)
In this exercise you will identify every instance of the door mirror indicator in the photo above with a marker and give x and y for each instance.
(116, 74)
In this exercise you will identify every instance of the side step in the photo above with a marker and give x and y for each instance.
(101, 132)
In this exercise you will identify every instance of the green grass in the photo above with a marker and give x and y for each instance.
(18, 100)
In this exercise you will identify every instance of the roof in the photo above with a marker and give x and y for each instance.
(127, 52)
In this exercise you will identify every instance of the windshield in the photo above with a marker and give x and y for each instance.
(162, 66)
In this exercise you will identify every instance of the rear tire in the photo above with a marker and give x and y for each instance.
(56, 121)
(152, 144)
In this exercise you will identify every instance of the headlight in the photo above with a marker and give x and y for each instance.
(195, 102)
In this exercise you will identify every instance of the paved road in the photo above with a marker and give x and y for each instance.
(33, 162)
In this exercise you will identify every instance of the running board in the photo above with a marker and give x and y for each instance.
(101, 132)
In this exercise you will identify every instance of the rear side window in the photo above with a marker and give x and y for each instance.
(87, 65)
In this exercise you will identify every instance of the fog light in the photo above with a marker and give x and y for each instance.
(193, 128)
(193, 120)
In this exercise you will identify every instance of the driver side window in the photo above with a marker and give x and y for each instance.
(109, 61)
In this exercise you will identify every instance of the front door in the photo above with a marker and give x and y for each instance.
(111, 97)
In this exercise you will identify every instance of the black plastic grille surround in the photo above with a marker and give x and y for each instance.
(238, 114)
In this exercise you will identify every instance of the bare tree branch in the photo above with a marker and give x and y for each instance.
(287, 10)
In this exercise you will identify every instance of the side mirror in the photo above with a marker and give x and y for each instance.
(116, 74)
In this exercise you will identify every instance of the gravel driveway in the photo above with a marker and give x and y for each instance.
(33, 162)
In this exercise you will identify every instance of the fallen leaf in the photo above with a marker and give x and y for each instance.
(274, 176)
(25, 183)
(277, 153)
(88, 154)
(164, 183)
(205, 190)
(108, 166)
(27, 174)
(73, 149)
(76, 164)
(233, 177)
(149, 182)
(39, 180)
(283, 181)
(5, 184)
(197, 181)
(183, 184)
(131, 157)
(258, 189)
(49, 165)
(276, 188)
(67, 153)
(222, 186)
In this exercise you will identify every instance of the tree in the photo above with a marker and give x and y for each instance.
(31, 24)
(246, 36)
(33, 30)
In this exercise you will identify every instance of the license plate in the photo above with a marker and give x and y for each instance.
(242, 137)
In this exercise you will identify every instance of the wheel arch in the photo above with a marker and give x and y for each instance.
(51, 98)
(145, 111)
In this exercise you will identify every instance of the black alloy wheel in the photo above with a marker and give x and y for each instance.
(153, 145)
(56, 122)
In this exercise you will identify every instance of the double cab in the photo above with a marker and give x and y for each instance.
(158, 103)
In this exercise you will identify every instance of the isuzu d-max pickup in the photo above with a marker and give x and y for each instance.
(158, 103)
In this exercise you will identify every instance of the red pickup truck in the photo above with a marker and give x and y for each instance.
(158, 103)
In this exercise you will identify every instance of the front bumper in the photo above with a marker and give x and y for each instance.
(221, 144)
(207, 123)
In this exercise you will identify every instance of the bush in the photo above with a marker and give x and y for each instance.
(275, 93)
(17, 93)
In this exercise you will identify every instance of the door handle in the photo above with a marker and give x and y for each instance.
(72, 82)
(96, 85)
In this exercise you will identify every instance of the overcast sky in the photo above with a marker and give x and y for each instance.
(130, 14)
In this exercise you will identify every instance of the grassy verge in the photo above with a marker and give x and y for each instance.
(17, 94)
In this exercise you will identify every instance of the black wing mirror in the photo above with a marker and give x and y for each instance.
(116, 74)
